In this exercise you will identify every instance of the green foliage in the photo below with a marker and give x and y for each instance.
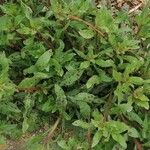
(70, 60)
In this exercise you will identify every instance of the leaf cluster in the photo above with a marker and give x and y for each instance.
(71, 60)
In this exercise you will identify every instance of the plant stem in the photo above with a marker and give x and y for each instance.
(93, 27)
(51, 133)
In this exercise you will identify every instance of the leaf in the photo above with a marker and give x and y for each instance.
(18, 19)
(81, 54)
(143, 104)
(104, 77)
(11, 107)
(122, 108)
(31, 82)
(47, 106)
(97, 116)
(119, 127)
(104, 20)
(28, 82)
(25, 125)
(117, 75)
(5, 23)
(133, 65)
(4, 62)
(84, 65)
(27, 105)
(135, 117)
(132, 132)
(58, 67)
(136, 80)
(9, 8)
(86, 33)
(120, 139)
(145, 127)
(2, 141)
(96, 139)
(85, 109)
(104, 63)
(59, 91)
(71, 77)
(147, 144)
(143, 98)
(43, 60)
(94, 80)
(7, 128)
(26, 9)
(84, 97)
(62, 144)
(26, 30)
(61, 98)
(82, 124)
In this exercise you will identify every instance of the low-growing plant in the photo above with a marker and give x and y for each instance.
(87, 68)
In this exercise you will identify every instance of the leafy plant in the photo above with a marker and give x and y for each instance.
(70, 61)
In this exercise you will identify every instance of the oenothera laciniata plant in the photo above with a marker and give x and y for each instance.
(86, 67)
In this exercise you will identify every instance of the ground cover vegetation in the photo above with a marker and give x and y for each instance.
(78, 73)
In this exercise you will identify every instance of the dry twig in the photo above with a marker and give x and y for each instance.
(135, 8)
(51, 133)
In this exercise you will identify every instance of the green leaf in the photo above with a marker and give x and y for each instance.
(85, 109)
(27, 105)
(82, 124)
(81, 54)
(63, 144)
(5, 23)
(140, 98)
(47, 106)
(143, 104)
(25, 125)
(104, 77)
(9, 8)
(132, 132)
(2, 140)
(58, 67)
(96, 139)
(26, 9)
(43, 60)
(31, 69)
(145, 127)
(118, 126)
(94, 80)
(120, 139)
(61, 98)
(136, 80)
(28, 82)
(59, 91)
(26, 30)
(11, 107)
(104, 20)
(7, 128)
(143, 98)
(122, 108)
(117, 75)
(71, 77)
(31, 82)
(84, 65)
(135, 117)
(104, 63)
(147, 144)
(86, 33)
(85, 97)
